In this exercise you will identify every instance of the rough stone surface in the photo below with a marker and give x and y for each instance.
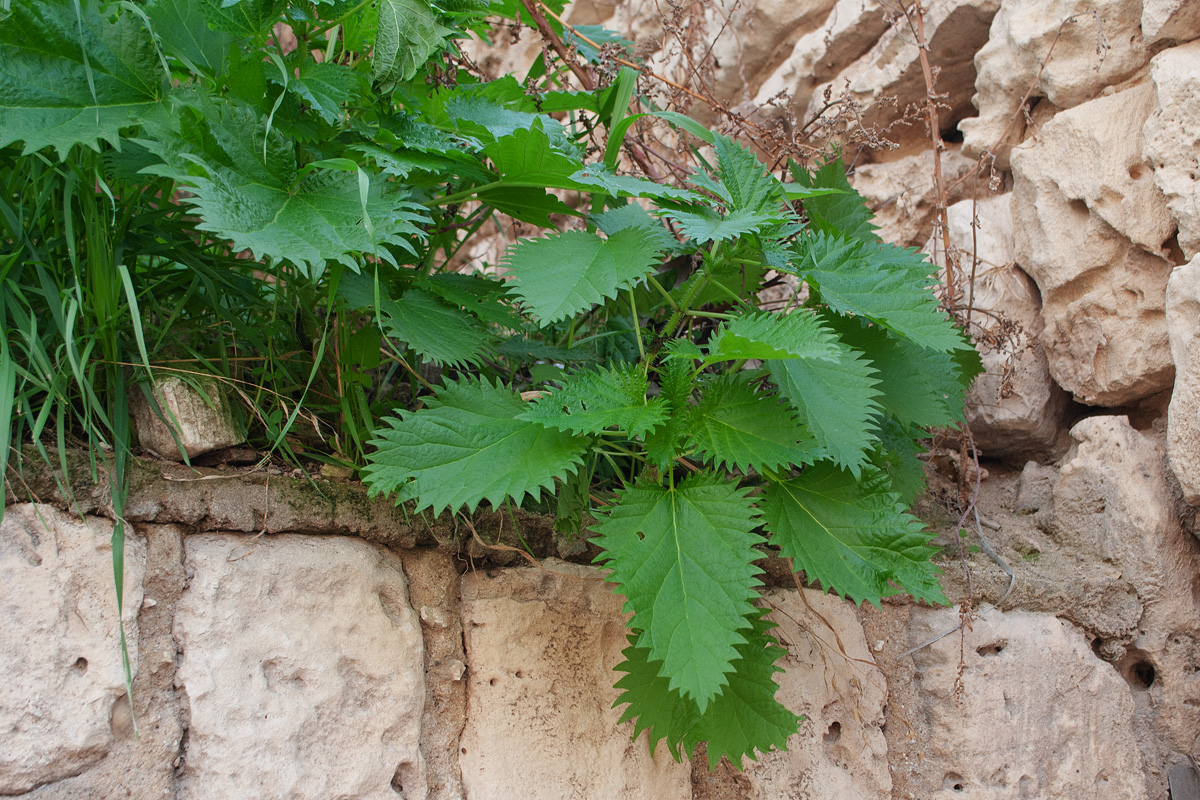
(303, 670)
(902, 193)
(1183, 415)
(1020, 39)
(840, 749)
(1172, 135)
(203, 422)
(1015, 408)
(1022, 708)
(1090, 230)
(1170, 19)
(62, 690)
(541, 646)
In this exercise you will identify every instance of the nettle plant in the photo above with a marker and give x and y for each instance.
(315, 199)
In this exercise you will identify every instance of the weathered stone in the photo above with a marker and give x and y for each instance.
(1021, 707)
(840, 750)
(62, 687)
(1015, 408)
(1091, 53)
(903, 195)
(202, 419)
(1170, 19)
(1172, 135)
(302, 666)
(1090, 230)
(954, 31)
(1183, 415)
(541, 647)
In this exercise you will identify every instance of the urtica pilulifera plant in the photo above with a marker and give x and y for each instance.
(619, 353)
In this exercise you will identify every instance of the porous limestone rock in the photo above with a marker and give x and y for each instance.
(1021, 707)
(954, 31)
(541, 647)
(1090, 230)
(1014, 408)
(903, 196)
(1172, 136)
(301, 661)
(1183, 414)
(61, 681)
(1092, 52)
(840, 749)
(202, 419)
(1170, 19)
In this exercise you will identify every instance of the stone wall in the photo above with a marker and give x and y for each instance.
(291, 640)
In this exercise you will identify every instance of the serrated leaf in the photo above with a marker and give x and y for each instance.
(68, 80)
(566, 273)
(406, 35)
(884, 283)
(476, 294)
(439, 332)
(747, 184)
(897, 456)
(525, 157)
(326, 88)
(851, 534)
(466, 446)
(765, 336)
(675, 388)
(683, 558)
(184, 32)
(632, 215)
(841, 213)
(705, 225)
(744, 718)
(837, 400)
(596, 176)
(521, 348)
(736, 427)
(594, 400)
(248, 18)
(527, 204)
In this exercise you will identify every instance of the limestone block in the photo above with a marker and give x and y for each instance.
(1035, 713)
(954, 30)
(1020, 39)
(1170, 19)
(1183, 415)
(1015, 409)
(1090, 230)
(840, 749)
(903, 194)
(203, 422)
(61, 682)
(541, 647)
(302, 668)
(1172, 136)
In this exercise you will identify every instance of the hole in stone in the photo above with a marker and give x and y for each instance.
(834, 733)
(954, 782)
(1143, 673)
(400, 776)
(1137, 670)
(1079, 209)
(492, 682)
(1136, 172)
(993, 649)
(80, 665)
(520, 673)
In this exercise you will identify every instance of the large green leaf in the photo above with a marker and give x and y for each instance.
(249, 18)
(851, 534)
(838, 400)
(735, 426)
(766, 336)
(326, 88)
(566, 273)
(744, 718)
(407, 34)
(705, 225)
(683, 557)
(185, 33)
(595, 400)
(68, 79)
(525, 157)
(744, 182)
(468, 445)
(843, 212)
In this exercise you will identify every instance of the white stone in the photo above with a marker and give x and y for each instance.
(302, 668)
(1172, 136)
(60, 658)
(1183, 414)
(1090, 228)
(840, 749)
(541, 647)
(1035, 713)
(203, 420)
(1171, 19)
(903, 195)
(1020, 40)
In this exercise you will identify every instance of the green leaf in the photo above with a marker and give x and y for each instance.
(441, 333)
(745, 183)
(683, 557)
(842, 213)
(765, 336)
(744, 718)
(467, 445)
(326, 88)
(675, 388)
(735, 426)
(897, 456)
(184, 32)
(407, 34)
(851, 534)
(248, 18)
(525, 157)
(477, 294)
(705, 225)
(632, 215)
(527, 204)
(597, 177)
(67, 79)
(884, 283)
(566, 273)
(837, 400)
(597, 399)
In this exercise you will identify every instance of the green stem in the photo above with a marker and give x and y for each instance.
(711, 314)
(666, 295)
(466, 194)
(341, 19)
(637, 329)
